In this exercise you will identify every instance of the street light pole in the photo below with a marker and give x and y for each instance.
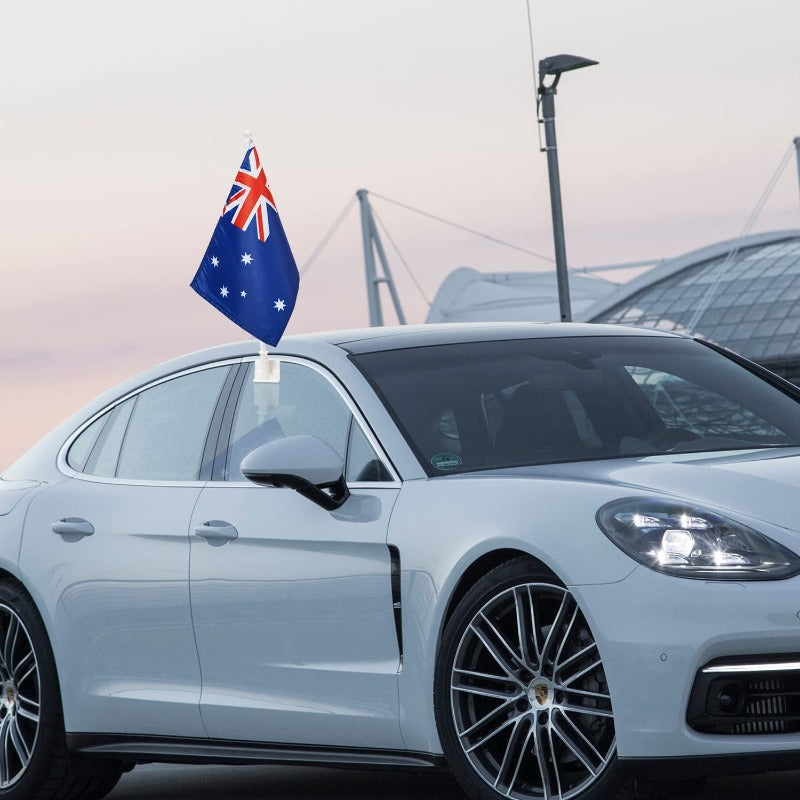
(549, 119)
(554, 66)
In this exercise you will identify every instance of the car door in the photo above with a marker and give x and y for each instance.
(109, 548)
(293, 609)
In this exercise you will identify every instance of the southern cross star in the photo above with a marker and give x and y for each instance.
(214, 261)
(247, 259)
(243, 293)
(280, 305)
(224, 291)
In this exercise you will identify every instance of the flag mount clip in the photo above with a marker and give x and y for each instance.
(267, 370)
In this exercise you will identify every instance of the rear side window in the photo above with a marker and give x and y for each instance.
(158, 434)
(105, 454)
(82, 446)
(167, 430)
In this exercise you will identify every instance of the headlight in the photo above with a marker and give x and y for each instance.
(679, 539)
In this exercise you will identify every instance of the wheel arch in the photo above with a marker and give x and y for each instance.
(13, 579)
(10, 577)
(478, 568)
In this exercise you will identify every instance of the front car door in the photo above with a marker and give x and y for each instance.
(294, 616)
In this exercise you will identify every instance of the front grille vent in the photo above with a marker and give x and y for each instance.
(764, 726)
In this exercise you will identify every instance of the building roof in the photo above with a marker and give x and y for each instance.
(467, 295)
(743, 294)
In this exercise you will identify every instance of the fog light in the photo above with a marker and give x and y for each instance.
(730, 698)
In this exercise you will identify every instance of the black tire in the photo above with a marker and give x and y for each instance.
(513, 719)
(34, 761)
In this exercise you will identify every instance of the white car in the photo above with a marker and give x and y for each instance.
(559, 559)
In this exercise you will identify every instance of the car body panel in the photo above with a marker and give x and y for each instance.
(116, 604)
(15, 497)
(751, 483)
(654, 632)
(11, 492)
(442, 526)
(306, 595)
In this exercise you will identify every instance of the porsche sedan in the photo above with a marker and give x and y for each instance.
(559, 560)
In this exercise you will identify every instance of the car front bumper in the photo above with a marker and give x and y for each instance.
(656, 632)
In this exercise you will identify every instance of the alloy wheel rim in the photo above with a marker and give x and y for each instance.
(20, 698)
(529, 697)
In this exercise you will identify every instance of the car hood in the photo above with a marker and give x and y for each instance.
(761, 484)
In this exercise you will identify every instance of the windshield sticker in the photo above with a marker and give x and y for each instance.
(446, 461)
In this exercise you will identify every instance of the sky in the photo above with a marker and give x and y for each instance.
(121, 130)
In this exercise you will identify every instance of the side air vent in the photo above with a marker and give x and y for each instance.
(394, 555)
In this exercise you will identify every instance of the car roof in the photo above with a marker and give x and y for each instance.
(400, 337)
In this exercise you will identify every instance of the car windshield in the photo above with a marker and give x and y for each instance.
(491, 404)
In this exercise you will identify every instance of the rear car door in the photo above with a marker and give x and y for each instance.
(109, 548)
(293, 605)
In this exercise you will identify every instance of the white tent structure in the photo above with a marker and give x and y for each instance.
(467, 295)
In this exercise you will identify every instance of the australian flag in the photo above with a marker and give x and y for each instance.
(248, 272)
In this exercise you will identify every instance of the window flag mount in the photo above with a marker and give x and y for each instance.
(267, 370)
(248, 272)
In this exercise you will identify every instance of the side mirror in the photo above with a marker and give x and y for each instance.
(304, 463)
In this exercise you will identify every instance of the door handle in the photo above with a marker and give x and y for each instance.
(73, 526)
(216, 531)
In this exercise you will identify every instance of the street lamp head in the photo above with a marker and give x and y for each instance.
(555, 65)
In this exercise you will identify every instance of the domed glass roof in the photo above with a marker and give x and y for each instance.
(744, 295)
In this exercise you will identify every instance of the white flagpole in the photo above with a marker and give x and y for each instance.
(266, 384)
(267, 371)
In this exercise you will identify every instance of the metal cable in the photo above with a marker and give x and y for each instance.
(535, 80)
(751, 220)
(464, 228)
(400, 256)
(328, 236)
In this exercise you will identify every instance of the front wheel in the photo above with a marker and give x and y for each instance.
(522, 703)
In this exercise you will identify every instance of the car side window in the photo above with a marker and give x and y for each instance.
(304, 402)
(103, 459)
(82, 447)
(166, 433)
(363, 463)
